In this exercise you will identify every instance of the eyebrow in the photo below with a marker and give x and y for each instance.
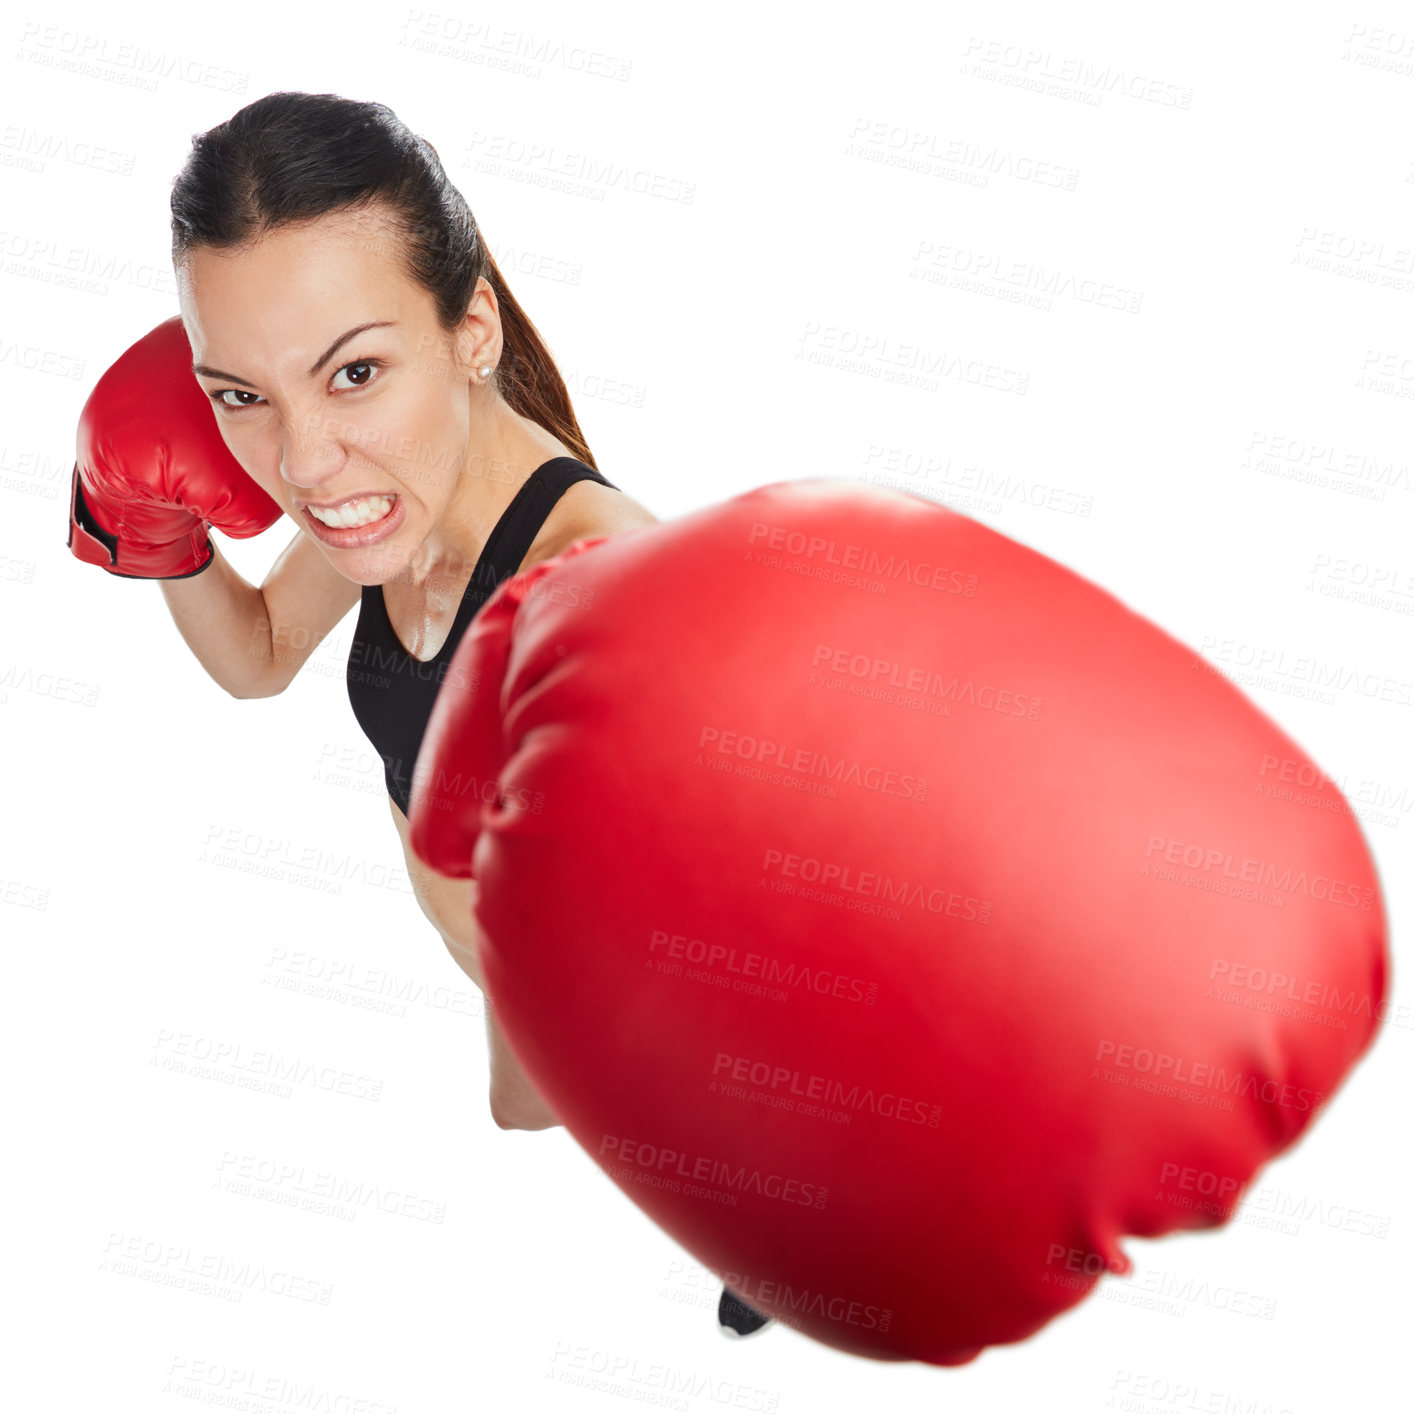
(207, 372)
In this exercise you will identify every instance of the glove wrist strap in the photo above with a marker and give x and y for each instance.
(90, 542)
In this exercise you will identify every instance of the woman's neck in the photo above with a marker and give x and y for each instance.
(503, 451)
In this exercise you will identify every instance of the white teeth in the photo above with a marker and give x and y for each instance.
(362, 511)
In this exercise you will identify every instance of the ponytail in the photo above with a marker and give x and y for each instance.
(526, 375)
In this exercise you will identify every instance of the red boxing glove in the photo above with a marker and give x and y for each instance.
(452, 780)
(895, 916)
(152, 468)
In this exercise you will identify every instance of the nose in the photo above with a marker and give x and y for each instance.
(312, 455)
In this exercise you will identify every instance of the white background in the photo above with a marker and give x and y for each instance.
(732, 226)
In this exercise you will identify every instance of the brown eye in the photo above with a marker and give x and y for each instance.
(359, 381)
(238, 392)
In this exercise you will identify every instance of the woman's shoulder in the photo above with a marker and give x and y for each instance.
(589, 508)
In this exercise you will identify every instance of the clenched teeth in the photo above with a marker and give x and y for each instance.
(362, 511)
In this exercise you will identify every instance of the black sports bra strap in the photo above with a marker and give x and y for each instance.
(511, 538)
(393, 693)
(507, 545)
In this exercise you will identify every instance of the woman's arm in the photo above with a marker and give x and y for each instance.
(515, 1102)
(253, 641)
(587, 508)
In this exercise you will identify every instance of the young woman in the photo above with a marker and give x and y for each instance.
(371, 373)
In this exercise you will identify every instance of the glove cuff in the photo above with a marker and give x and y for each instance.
(89, 541)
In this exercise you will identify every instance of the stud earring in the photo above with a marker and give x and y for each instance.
(485, 370)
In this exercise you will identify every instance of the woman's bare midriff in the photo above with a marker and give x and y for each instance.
(447, 903)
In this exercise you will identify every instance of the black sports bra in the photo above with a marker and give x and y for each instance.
(392, 692)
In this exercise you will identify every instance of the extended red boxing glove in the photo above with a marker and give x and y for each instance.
(454, 780)
(152, 468)
(895, 916)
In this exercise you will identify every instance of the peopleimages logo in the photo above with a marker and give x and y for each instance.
(781, 1079)
(1262, 873)
(867, 559)
(1270, 990)
(872, 890)
(768, 968)
(1204, 1075)
(866, 667)
(675, 1171)
(803, 760)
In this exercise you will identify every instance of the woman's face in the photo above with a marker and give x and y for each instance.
(367, 429)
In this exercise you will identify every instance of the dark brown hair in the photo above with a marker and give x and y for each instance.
(292, 157)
